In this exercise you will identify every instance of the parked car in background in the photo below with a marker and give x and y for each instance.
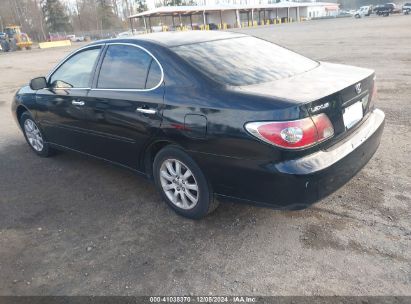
(363, 11)
(383, 9)
(4, 45)
(130, 33)
(124, 34)
(387, 9)
(213, 26)
(71, 37)
(395, 8)
(343, 13)
(56, 37)
(74, 38)
(406, 8)
(157, 28)
(206, 115)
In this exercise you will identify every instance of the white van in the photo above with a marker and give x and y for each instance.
(363, 11)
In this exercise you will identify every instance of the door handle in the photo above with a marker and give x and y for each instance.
(146, 110)
(77, 103)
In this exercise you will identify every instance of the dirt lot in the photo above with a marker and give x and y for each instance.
(70, 225)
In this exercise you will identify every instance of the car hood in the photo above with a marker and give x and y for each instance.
(322, 81)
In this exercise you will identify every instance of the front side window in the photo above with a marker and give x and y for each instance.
(125, 67)
(77, 71)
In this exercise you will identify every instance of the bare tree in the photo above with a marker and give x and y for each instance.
(26, 13)
(85, 16)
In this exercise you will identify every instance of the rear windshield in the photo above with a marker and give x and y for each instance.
(244, 60)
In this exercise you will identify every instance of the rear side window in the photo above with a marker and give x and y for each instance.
(76, 72)
(154, 75)
(124, 67)
(244, 61)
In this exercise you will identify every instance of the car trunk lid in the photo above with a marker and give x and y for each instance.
(333, 89)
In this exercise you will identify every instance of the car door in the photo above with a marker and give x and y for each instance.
(60, 105)
(123, 109)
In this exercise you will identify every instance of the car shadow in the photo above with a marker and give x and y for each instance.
(70, 180)
(89, 217)
(108, 231)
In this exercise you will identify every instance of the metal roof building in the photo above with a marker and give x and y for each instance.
(229, 16)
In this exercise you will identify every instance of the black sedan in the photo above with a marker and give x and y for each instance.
(208, 115)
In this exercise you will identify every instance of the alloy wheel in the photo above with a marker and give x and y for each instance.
(179, 184)
(33, 135)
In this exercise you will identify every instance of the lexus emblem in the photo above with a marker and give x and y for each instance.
(358, 88)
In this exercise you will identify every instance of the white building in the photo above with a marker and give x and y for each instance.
(158, 3)
(229, 15)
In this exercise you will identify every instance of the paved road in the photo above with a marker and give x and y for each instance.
(71, 225)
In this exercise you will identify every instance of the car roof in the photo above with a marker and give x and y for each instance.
(172, 39)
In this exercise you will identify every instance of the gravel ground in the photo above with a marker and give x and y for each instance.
(70, 225)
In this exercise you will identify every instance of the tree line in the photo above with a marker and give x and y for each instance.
(38, 18)
(175, 2)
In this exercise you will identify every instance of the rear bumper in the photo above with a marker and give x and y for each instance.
(298, 183)
(322, 160)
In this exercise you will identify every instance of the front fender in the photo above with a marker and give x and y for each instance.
(23, 100)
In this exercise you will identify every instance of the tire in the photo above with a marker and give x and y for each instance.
(34, 136)
(177, 186)
(13, 45)
(6, 46)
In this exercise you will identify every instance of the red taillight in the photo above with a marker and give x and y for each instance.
(324, 127)
(293, 134)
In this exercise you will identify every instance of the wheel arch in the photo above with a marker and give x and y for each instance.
(19, 112)
(151, 151)
(155, 147)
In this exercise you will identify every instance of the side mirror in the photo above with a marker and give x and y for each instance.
(38, 83)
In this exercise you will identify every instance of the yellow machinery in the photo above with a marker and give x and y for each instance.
(20, 39)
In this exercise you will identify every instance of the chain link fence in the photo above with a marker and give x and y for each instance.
(85, 35)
